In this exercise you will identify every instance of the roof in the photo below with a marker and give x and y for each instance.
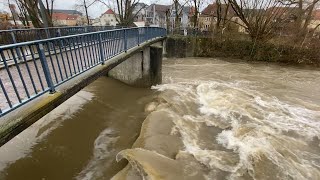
(66, 11)
(211, 9)
(283, 10)
(160, 7)
(109, 11)
(63, 16)
(59, 16)
(141, 4)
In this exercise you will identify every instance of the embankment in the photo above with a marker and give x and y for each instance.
(181, 46)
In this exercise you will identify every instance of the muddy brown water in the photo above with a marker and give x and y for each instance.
(210, 119)
(81, 137)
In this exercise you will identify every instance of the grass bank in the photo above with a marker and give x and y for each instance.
(190, 46)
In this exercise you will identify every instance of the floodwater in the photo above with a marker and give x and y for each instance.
(80, 138)
(210, 119)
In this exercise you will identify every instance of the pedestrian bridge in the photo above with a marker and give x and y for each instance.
(37, 76)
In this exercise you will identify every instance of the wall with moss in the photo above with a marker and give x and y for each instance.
(180, 46)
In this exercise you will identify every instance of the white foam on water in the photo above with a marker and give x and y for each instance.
(256, 123)
(103, 147)
(20, 146)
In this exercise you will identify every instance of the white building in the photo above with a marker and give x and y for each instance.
(184, 16)
(156, 15)
(107, 19)
(139, 12)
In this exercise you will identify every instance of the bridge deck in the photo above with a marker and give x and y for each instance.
(22, 79)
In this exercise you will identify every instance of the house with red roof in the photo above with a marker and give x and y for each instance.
(65, 17)
(108, 18)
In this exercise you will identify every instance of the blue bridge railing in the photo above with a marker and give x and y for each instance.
(30, 69)
(13, 36)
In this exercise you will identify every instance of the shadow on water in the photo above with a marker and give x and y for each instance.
(80, 138)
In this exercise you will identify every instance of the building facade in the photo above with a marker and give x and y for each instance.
(66, 17)
(106, 19)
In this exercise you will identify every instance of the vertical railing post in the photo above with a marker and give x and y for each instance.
(14, 40)
(101, 49)
(47, 33)
(45, 68)
(58, 32)
(125, 40)
(138, 36)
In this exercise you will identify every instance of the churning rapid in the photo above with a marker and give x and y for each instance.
(214, 119)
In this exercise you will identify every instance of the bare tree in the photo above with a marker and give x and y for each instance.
(85, 5)
(178, 7)
(196, 10)
(126, 10)
(32, 10)
(262, 18)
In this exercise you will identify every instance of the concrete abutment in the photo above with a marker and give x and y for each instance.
(142, 69)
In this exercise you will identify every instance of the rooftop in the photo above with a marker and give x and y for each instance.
(65, 11)
(109, 11)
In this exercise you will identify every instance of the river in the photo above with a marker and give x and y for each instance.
(210, 119)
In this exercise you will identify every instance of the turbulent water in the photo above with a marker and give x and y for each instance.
(210, 119)
(215, 119)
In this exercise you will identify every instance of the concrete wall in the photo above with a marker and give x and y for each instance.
(142, 69)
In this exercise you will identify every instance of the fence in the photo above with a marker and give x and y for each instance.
(54, 61)
(23, 35)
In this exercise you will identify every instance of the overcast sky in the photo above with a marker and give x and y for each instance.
(94, 11)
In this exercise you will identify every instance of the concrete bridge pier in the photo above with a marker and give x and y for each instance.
(142, 68)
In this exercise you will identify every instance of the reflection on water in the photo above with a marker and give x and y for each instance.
(80, 138)
(220, 120)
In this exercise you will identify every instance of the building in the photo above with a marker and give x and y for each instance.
(69, 12)
(156, 15)
(66, 17)
(4, 16)
(208, 18)
(185, 14)
(315, 21)
(108, 18)
(139, 12)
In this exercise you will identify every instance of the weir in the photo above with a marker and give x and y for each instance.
(65, 65)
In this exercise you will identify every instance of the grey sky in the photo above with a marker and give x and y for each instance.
(94, 11)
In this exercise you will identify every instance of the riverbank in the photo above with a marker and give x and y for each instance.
(190, 46)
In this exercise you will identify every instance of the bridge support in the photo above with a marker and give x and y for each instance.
(142, 69)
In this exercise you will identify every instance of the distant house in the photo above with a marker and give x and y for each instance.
(64, 11)
(139, 12)
(108, 18)
(65, 17)
(315, 21)
(184, 16)
(4, 16)
(156, 15)
(209, 17)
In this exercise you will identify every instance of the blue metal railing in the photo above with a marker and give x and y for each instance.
(51, 62)
(13, 36)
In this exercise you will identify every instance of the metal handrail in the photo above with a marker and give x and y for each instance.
(51, 62)
(12, 36)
